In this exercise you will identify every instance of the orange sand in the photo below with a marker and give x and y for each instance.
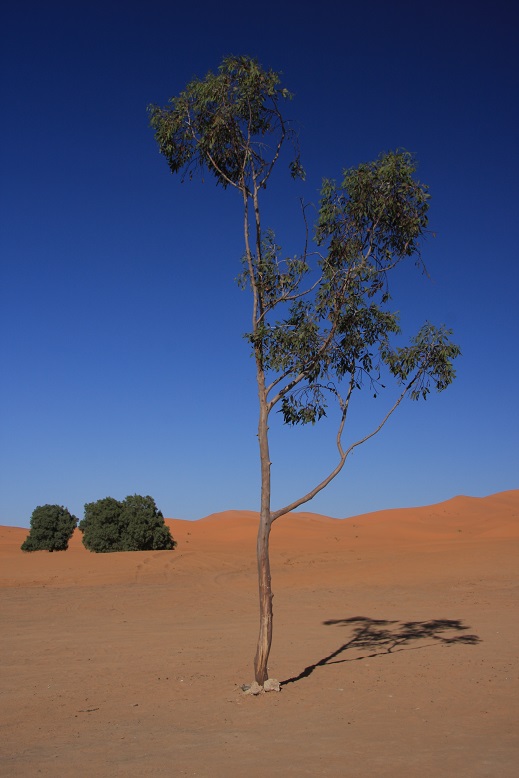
(395, 634)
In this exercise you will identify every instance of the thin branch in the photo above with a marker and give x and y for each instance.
(286, 298)
(248, 254)
(282, 392)
(266, 177)
(302, 375)
(343, 456)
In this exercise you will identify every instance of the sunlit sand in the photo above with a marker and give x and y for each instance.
(395, 642)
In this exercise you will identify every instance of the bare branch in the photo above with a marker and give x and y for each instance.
(248, 254)
(343, 454)
(288, 297)
(263, 181)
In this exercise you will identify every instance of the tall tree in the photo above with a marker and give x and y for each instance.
(321, 326)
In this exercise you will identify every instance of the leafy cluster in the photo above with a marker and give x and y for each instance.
(340, 326)
(134, 524)
(52, 526)
(379, 212)
(222, 122)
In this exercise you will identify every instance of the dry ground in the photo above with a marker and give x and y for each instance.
(395, 637)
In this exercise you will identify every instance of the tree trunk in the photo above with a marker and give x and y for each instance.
(265, 599)
(262, 548)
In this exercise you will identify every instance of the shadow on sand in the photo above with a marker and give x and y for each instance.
(381, 637)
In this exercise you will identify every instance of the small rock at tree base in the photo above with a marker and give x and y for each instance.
(254, 688)
(271, 685)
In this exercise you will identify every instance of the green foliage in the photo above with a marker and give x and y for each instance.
(220, 123)
(134, 524)
(380, 211)
(429, 356)
(340, 326)
(101, 526)
(52, 527)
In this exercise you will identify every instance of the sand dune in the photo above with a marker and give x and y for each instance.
(395, 638)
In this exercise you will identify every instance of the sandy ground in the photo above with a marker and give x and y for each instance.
(395, 639)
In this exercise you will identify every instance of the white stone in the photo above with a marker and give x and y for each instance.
(254, 688)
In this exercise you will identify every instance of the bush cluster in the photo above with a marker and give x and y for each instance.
(135, 524)
(52, 527)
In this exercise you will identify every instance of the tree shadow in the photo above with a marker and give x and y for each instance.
(387, 637)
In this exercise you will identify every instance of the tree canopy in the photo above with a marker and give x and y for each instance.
(226, 123)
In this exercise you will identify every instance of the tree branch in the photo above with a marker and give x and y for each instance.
(343, 454)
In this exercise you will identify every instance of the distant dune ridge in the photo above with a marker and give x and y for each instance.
(233, 532)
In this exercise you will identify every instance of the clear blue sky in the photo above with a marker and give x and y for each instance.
(123, 365)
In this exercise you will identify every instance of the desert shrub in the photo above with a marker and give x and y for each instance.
(135, 524)
(101, 526)
(52, 527)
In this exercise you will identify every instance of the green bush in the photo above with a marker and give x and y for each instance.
(52, 527)
(101, 526)
(134, 524)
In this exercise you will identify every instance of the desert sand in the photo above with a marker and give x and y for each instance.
(395, 639)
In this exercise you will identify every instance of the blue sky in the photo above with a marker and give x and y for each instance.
(123, 365)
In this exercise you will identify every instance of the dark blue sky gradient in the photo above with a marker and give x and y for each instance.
(123, 365)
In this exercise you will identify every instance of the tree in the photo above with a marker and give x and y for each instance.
(321, 324)
(145, 529)
(134, 524)
(101, 525)
(52, 526)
